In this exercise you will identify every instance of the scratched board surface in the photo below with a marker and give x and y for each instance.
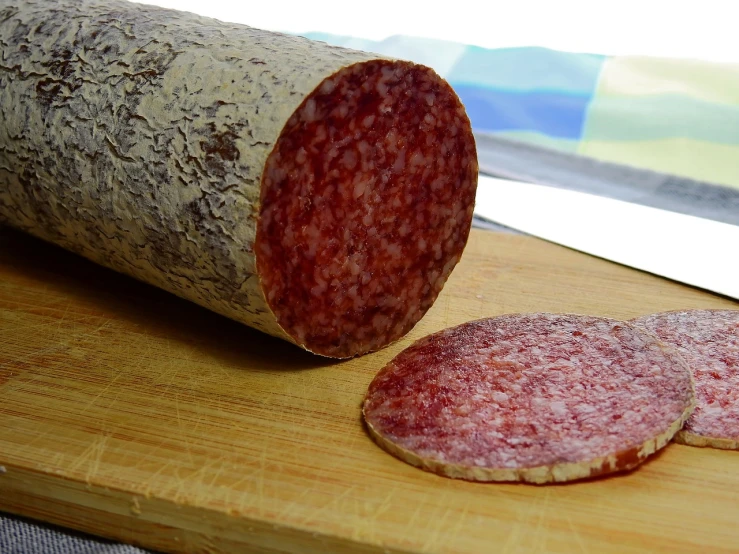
(135, 415)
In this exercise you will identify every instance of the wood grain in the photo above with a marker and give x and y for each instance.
(135, 415)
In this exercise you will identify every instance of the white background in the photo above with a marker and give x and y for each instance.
(701, 29)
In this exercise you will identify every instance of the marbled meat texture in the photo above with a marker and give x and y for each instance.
(530, 397)
(315, 193)
(708, 340)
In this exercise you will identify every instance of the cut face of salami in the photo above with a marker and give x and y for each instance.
(530, 397)
(709, 341)
(366, 207)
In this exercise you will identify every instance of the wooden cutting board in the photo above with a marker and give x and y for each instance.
(129, 413)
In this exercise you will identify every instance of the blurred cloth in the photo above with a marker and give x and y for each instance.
(663, 133)
(22, 536)
(679, 117)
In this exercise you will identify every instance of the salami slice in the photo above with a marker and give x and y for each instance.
(318, 194)
(709, 341)
(530, 397)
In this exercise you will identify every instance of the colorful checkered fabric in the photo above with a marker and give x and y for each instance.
(674, 116)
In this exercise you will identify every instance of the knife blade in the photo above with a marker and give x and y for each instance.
(692, 250)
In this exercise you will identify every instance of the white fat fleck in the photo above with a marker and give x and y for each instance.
(340, 111)
(349, 159)
(289, 237)
(328, 86)
(460, 216)
(317, 290)
(312, 232)
(655, 370)
(438, 184)
(309, 111)
(394, 250)
(365, 150)
(388, 73)
(354, 268)
(417, 158)
(449, 265)
(711, 409)
(391, 142)
(399, 164)
(499, 396)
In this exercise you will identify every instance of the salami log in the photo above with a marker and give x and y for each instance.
(318, 194)
(709, 341)
(530, 397)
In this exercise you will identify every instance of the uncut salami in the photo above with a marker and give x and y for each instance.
(708, 340)
(318, 194)
(530, 397)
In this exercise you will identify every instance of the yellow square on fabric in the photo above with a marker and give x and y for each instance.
(637, 76)
(714, 163)
(674, 116)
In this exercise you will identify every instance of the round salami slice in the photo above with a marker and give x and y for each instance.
(530, 397)
(709, 341)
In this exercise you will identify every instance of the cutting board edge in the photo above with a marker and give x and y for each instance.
(494, 270)
(117, 514)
